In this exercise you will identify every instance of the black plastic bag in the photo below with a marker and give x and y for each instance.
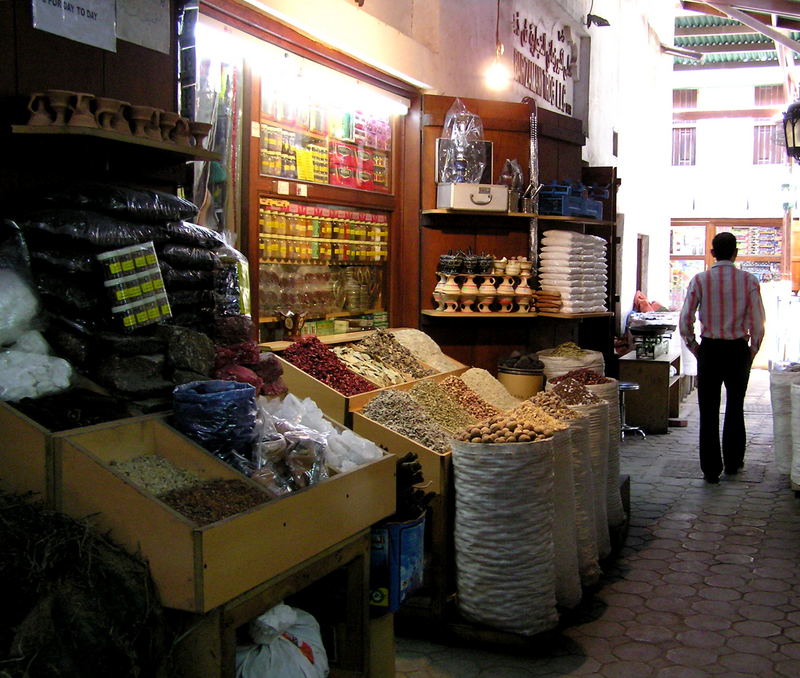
(218, 415)
(127, 203)
(193, 235)
(191, 258)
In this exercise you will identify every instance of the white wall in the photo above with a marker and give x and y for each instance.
(447, 45)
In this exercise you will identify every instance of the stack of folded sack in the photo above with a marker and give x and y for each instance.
(574, 265)
(549, 302)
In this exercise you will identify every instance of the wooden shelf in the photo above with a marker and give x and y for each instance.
(325, 316)
(325, 339)
(186, 152)
(513, 314)
(518, 215)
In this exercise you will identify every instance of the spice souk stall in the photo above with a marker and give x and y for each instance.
(213, 459)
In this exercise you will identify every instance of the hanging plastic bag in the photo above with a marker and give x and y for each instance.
(288, 644)
(462, 151)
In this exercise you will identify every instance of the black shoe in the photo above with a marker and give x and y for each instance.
(712, 480)
(733, 470)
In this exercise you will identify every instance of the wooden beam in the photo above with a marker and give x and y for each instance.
(757, 113)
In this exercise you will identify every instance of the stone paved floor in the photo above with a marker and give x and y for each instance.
(704, 586)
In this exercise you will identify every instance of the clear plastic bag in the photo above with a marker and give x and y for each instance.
(511, 175)
(462, 156)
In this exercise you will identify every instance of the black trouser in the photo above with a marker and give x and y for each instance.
(722, 361)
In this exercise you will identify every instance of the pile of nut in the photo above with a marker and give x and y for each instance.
(398, 411)
(574, 393)
(440, 405)
(368, 367)
(476, 406)
(552, 403)
(525, 423)
(583, 375)
(382, 346)
(314, 358)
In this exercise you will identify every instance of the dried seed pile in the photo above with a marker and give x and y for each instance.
(468, 399)
(441, 406)
(382, 346)
(569, 349)
(425, 349)
(526, 423)
(491, 390)
(314, 358)
(155, 473)
(574, 393)
(368, 367)
(583, 375)
(552, 403)
(400, 412)
(214, 500)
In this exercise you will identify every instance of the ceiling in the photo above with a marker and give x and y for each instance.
(738, 33)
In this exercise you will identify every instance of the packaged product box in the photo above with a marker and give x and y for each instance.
(396, 562)
(343, 176)
(341, 154)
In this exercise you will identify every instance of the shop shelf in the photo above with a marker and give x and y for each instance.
(514, 316)
(199, 568)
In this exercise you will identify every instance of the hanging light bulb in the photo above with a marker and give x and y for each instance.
(497, 76)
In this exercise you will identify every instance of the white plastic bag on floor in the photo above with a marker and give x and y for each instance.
(288, 644)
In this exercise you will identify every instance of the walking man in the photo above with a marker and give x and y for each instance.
(732, 328)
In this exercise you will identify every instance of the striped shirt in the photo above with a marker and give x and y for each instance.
(730, 305)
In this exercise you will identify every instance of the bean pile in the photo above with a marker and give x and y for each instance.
(491, 390)
(583, 375)
(468, 399)
(554, 406)
(314, 358)
(214, 500)
(382, 346)
(368, 367)
(441, 406)
(527, 423)
(154, 473)
(569, 349)
(574, 393)
(400, 412)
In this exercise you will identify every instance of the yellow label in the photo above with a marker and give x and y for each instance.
(115, 267)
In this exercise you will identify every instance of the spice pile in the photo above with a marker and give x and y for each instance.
(314, 358)
(398, 411)
(440, 405)
(574, 393)
(368, 367)
(214, 500)
(489, 388)
(382, 346)
(425, 349)
(583, 375)
(568, 349)
(475, 405)
(154, 473)
(526, 423)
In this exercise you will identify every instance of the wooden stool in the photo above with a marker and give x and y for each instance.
(623, 427)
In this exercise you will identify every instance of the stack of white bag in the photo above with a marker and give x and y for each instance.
(574, 264)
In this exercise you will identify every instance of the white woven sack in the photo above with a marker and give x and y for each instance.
(610, 393)
(556, 365)
(780, 383)
(565, 536)
(584, 501)
(504, 535)
(795, 417)
(598, 447)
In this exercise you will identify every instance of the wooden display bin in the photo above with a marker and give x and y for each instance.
(199, 568)
(26, 451)
(335, 405)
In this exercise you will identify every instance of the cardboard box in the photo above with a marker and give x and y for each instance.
(397, 560)
(472, 197)
(199, 568)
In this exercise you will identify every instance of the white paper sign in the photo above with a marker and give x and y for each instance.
(145, 22)
(92, 22)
